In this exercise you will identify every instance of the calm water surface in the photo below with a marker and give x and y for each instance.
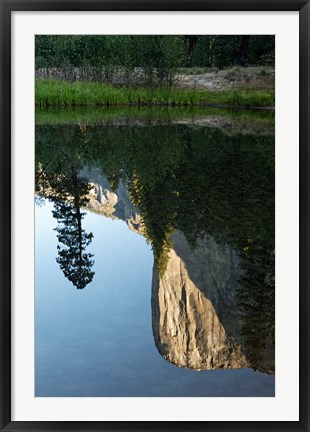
(154, 261)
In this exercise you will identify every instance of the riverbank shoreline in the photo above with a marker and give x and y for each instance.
(233, 121)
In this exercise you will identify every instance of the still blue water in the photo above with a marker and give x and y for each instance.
(98, 341)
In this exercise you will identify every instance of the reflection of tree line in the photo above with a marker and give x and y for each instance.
(199, 181)
(256, 299)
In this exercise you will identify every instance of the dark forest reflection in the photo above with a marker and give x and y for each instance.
(194, 183)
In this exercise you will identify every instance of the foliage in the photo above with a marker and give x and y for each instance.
(158, 56)
(223, 51)
(53, 93)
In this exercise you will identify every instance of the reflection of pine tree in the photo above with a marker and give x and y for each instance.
(70, 197)
(59, 158)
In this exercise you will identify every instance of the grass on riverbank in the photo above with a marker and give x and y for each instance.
(52, 93)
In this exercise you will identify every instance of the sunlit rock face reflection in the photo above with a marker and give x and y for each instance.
(116, 204)
(195, 314)
(190, 304)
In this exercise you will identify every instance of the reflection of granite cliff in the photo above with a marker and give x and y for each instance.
(102, 200)
(196, 319)
(191, 304)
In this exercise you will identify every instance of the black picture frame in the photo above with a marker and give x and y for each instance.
(7, 7)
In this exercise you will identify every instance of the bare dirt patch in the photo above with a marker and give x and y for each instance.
(262, 77)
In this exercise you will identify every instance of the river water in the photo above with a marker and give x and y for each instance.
(155, 258)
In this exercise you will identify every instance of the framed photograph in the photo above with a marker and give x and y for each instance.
(154, 215)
